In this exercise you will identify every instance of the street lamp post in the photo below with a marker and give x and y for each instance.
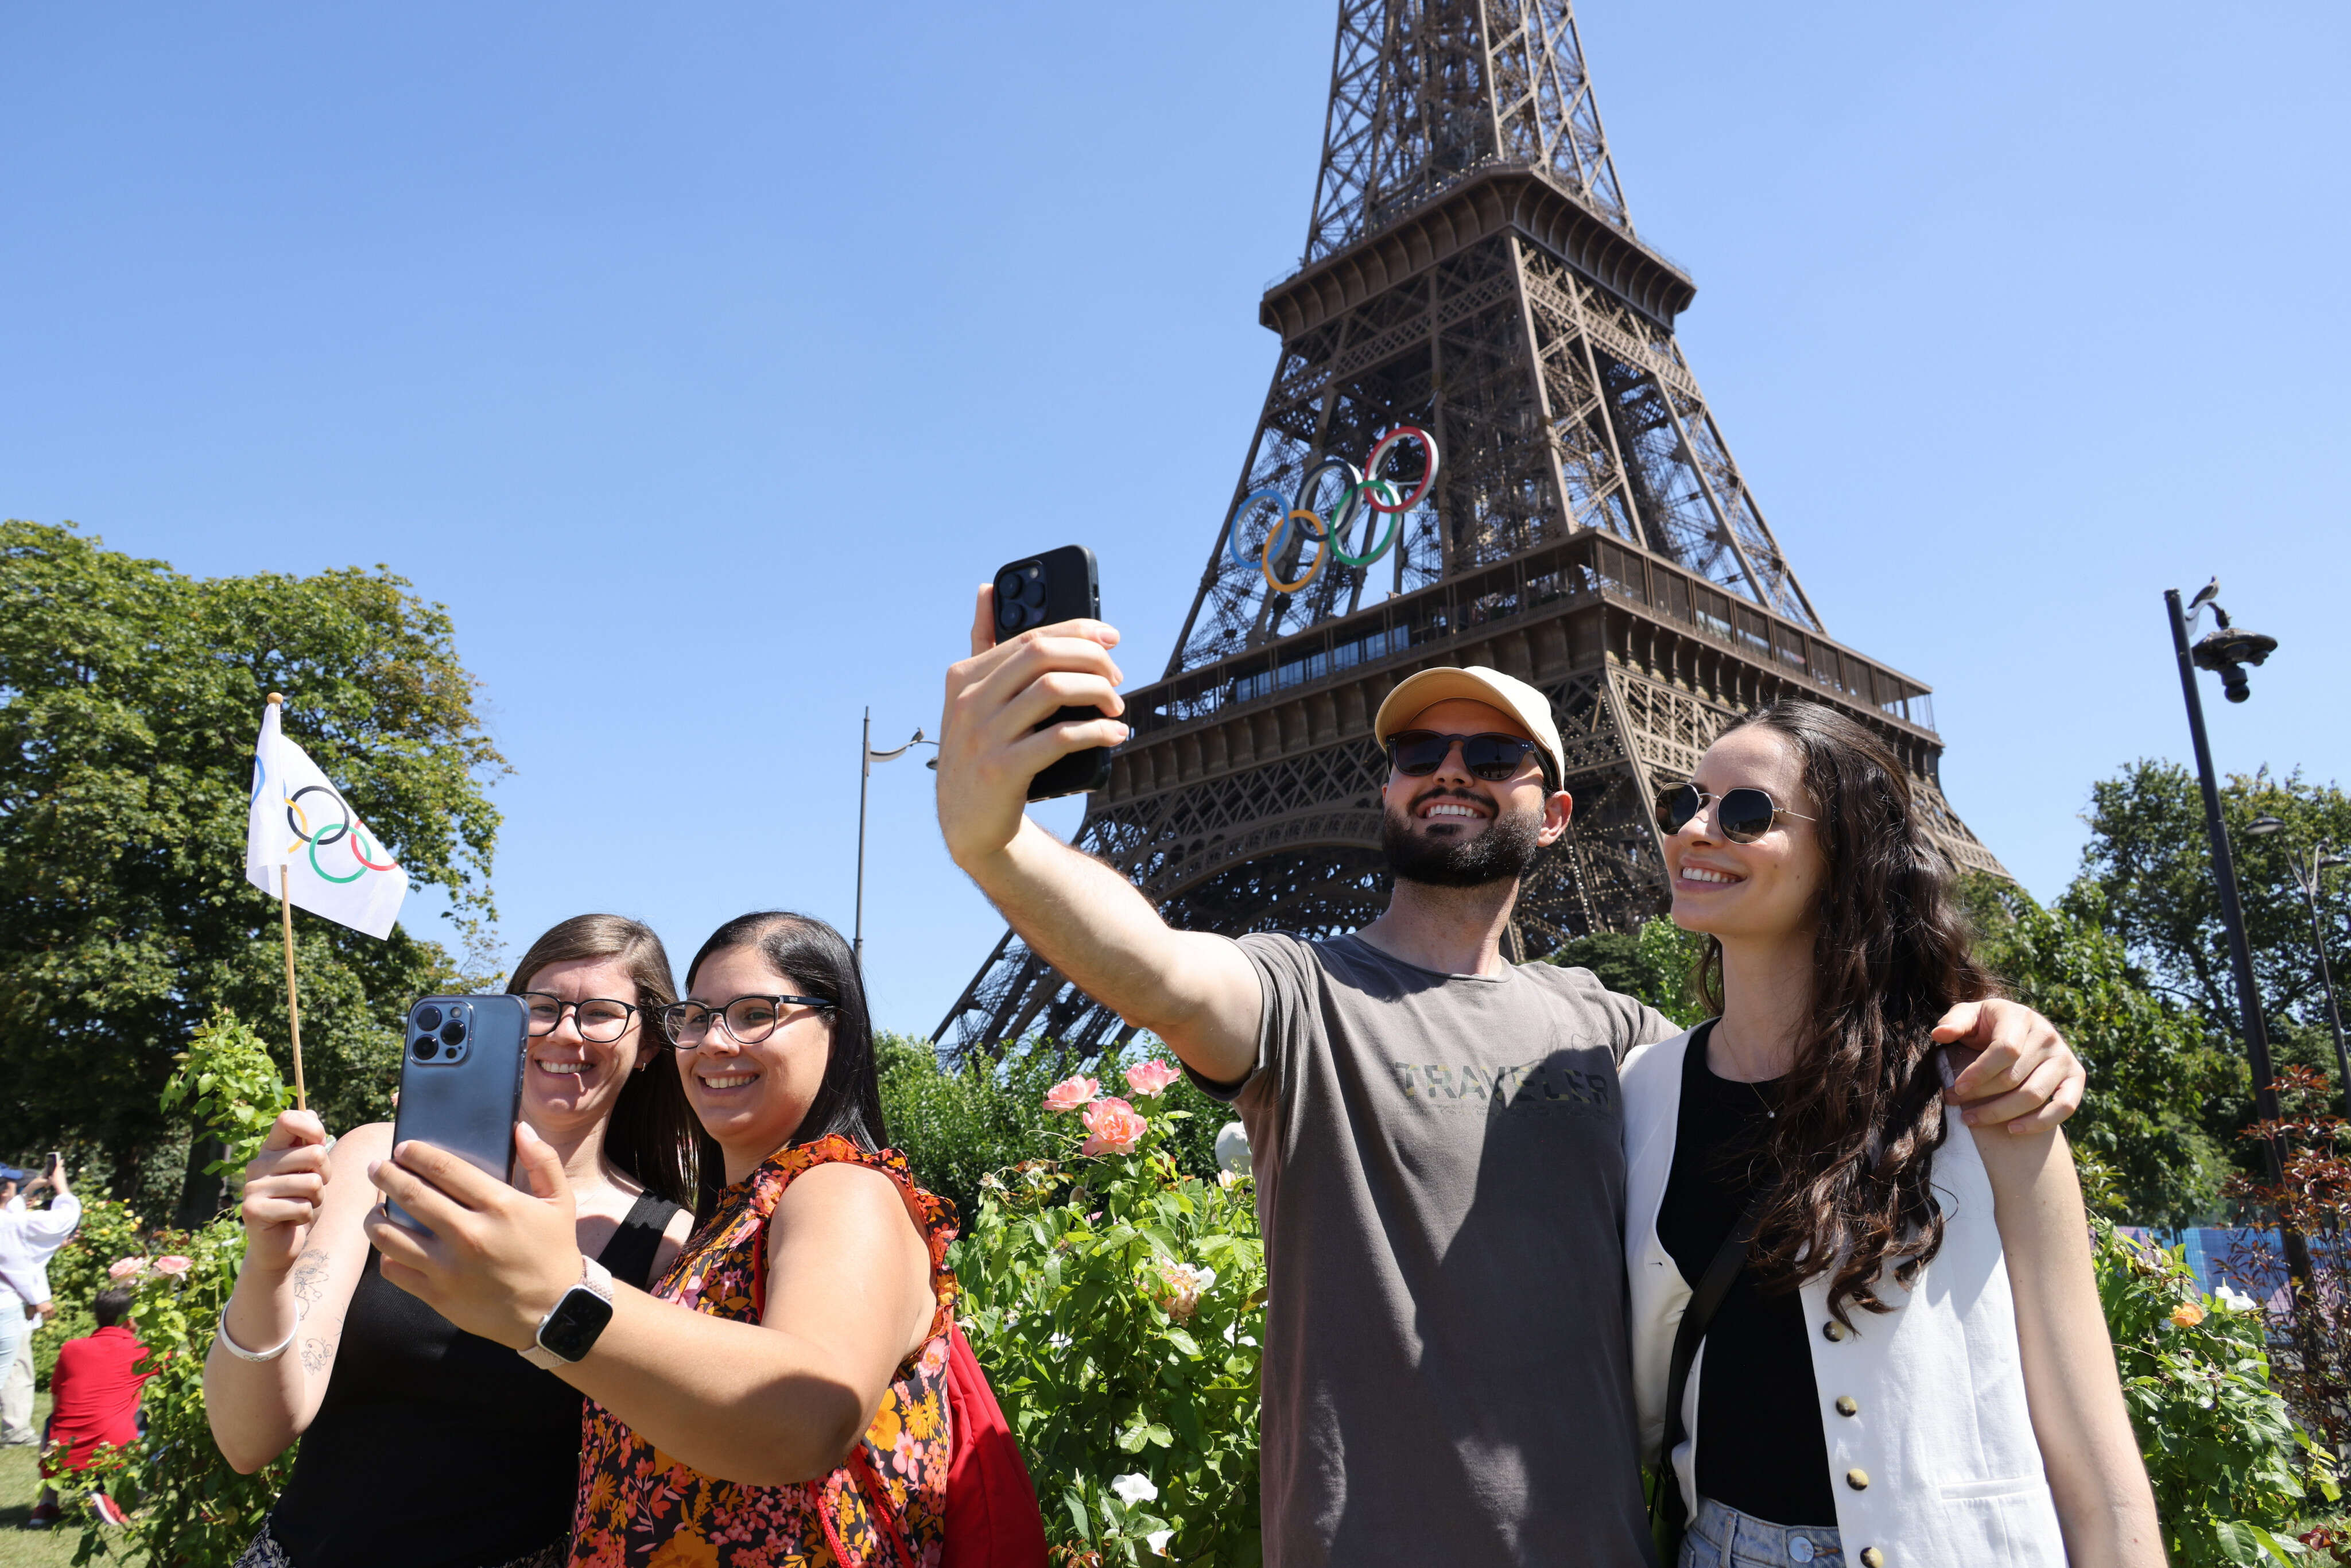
(2321, 860)
(866, 757)
(2227, 651)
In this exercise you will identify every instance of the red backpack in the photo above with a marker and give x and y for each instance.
(993, 1520)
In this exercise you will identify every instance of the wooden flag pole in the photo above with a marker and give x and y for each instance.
(293, 1005)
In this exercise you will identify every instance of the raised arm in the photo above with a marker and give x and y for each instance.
(2104, 1505)
(1195, 991)
(304, 1253)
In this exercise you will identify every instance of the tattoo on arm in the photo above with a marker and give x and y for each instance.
(309, 1280)
(317, 1354)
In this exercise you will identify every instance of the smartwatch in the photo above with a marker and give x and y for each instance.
(568, 1331)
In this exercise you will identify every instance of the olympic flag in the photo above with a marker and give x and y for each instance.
(301, 825)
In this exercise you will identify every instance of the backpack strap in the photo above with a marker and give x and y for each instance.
(1705, 1300)
(630, 1251)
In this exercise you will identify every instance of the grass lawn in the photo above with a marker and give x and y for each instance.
(20, 1483)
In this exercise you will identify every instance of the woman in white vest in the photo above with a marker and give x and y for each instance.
(1910, 1370)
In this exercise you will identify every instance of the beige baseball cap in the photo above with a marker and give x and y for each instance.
(1415, 694)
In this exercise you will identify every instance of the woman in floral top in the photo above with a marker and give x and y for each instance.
(778, 1398)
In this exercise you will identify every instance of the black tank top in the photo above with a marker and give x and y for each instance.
(433, 1448)
(1760, 1447)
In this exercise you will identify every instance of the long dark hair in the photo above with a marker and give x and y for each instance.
(1861, 1114)
(654, 1136)
(820, 964)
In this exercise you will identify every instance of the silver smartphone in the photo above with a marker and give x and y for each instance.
(461, 1082)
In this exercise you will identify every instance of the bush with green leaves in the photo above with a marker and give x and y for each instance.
(2232, 1470)
(1117, 1303)
(193, 1510)
(956, 1122)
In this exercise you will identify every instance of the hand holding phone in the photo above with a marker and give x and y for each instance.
(997, 731)
(1045, 591)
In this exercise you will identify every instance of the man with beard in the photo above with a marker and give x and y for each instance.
(1435, 1132)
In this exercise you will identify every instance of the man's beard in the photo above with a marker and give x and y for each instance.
(1501, 854)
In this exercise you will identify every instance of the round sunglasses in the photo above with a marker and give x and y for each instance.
(1741, 815)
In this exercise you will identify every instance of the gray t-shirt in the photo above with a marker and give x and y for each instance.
(1440, 1175)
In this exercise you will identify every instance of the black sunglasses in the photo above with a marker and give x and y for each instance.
(1741, 815)
(1417, 753)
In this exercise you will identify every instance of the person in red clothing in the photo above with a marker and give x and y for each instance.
(94, 1398)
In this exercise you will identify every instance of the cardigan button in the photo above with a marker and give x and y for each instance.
(1847, 1406)
(1833, 1330)
(1871, 1557)
(1857, 1478)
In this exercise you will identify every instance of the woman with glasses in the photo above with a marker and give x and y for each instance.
(1881, 1323)
(779, 1396)
(423, 1444)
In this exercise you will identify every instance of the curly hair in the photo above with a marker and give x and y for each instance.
(1861, 1112)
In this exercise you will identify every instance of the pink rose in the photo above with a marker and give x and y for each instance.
(1115, 1128)
(172, 1263)
(1150, 1079)
(123, 1268)
(1070, 1093)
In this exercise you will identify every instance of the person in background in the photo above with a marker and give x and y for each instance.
(29, 1237)
(422, 1445)
(95, 1390)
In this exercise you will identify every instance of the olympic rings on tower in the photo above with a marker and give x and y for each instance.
(1362, 489)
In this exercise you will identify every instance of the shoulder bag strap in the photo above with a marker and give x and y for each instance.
(1696, 1317)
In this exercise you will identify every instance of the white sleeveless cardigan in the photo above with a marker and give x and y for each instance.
(1936, 1467)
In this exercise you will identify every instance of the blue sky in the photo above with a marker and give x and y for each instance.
(701, 358)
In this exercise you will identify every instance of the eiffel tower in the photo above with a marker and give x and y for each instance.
(1470, 270)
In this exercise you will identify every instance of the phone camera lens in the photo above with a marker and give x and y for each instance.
(1008, 585)
(428, 1018)
(1010, 614)
(453, 1031)
(427, 1048)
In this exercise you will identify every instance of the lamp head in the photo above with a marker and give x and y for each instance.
(2226, 653)
(2262, 827)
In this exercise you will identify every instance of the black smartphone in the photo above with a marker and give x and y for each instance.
(1059, 585)
(461, 1082)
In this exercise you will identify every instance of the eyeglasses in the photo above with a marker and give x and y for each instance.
(1741, 815)
(598, 1019)
(747, 1020)
(1417, 753)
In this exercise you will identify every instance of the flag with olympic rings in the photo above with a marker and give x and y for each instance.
(300, 822)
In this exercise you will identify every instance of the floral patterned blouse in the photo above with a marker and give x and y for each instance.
(639, 1508)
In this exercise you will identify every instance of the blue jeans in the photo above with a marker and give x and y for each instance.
(1721, 1537)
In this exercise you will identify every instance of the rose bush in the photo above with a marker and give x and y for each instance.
(1116, 1302)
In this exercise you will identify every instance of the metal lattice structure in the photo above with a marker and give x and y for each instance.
(1470, 268)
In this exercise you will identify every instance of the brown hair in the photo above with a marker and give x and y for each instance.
(1861, 1112)
(654, 1136)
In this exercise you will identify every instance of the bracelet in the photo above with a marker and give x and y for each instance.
(220, 1336)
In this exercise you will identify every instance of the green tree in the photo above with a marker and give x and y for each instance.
(2149, 860)
(2155, 1069)
(2146, 879)
(1655, 963)
(129, 697)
